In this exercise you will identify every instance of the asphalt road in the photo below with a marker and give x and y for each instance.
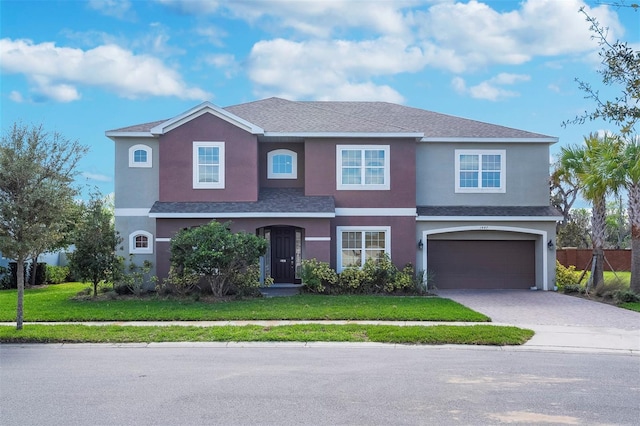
(325, 385)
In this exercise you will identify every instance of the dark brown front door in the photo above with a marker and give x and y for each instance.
(283, 245)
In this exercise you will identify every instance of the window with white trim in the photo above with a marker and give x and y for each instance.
(140, 156)
(208, 165)
(480, 170)
(356, 244)
(140, 242)
(362, 167)
(282, 164)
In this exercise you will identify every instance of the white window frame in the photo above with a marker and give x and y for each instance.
(139, 147)
(363, 186)
(294, 164)
(221, 167)
(132, 242)
(363, 229)
(480, 152)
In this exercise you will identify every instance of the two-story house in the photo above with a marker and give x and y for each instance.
(343, 182)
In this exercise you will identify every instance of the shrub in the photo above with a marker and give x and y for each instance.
(566, 276)
(572, 288)
(379, 275)
(350, 281)
(609, 288)
(134, 279)
(625, 296)
(5, 278)
(57, 274)
(219, 255)
(317, 276)
(179, 282)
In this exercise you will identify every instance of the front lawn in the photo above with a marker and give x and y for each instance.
(56, 303)
(634, 306)
(432, 335)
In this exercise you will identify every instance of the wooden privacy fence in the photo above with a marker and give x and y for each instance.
(620, 260)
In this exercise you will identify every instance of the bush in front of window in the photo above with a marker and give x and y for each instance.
(317, 277)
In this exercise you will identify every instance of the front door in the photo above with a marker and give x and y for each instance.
(283, 254)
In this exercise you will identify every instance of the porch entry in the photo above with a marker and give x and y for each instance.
(284, 253)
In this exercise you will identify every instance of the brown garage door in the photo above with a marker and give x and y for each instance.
(481, 264)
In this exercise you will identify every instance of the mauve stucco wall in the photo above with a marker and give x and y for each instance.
(176, 161)
(527, 175)
(320, 174)
(264, 149)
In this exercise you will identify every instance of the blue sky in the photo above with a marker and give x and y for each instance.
(84, 67)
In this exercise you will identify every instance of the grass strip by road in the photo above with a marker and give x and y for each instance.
(634, 306)
(56, 303)
(416, 335)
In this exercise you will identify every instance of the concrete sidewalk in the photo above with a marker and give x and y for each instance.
(547, 337)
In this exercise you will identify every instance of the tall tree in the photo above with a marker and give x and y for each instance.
(96, 241)
(584, 162)
(626, 165)
(36, 175)
(620, 67)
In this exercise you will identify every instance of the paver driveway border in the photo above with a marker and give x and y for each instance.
(560, 321)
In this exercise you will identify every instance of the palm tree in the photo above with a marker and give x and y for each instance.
(585, 163)
(625, 165)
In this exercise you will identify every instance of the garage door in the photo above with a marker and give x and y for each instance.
(481, 264)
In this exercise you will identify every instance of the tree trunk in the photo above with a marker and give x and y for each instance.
(20, 282)
(598, 228)
(95, 288)
(634, 218)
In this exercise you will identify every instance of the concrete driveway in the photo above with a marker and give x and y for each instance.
(560, 321)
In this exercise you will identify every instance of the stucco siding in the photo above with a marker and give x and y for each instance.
(135, 187)
(527, 174)
(320, 174)
(240, 161)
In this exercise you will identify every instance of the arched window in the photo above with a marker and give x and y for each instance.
(140, 242)
(282, 164)
(140, 156)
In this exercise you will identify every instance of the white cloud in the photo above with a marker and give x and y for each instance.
(490, 89)
(97, 177)
(56, 72)
(16, 96)
(225, 62)
(472, 35)
(312, 69)
(120, 9)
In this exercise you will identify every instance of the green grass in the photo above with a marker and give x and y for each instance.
(634, 306)
(623, 276)
(440, 334)
(56, 303)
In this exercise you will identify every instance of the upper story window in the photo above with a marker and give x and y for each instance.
(362, 167)
(140, 242)
(282, 164)
(356, 244)
(208, 165)
(140, 156)
(480, 170)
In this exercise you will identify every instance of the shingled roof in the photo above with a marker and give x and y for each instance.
(489, 211)
(290, 202)
(281, 116)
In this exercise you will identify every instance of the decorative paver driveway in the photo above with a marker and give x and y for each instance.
(525, 307)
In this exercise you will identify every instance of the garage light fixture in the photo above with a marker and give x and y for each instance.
(550, 245)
